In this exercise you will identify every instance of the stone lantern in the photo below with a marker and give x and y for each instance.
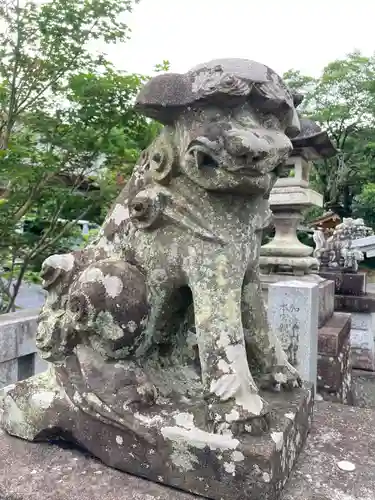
(289, 269)
(289, 198)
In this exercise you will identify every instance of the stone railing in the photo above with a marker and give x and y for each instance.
(18, 357)
(365, 245)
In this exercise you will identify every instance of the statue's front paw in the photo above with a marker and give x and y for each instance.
(226, 386)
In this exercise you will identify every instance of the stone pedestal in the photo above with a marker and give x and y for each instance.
(30, 471)
(339, 262)
(293, 308)
(334, 359)
(362, 309)
(176, 452)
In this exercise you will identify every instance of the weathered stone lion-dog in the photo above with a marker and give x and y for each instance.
(165, 306)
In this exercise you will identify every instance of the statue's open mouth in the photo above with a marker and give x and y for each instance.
(205, 158)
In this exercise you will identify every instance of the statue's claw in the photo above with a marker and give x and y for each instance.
(283, 376)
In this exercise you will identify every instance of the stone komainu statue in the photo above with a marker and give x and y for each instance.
(161, 319)
(338, 253)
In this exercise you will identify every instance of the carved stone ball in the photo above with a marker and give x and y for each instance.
(112, 295)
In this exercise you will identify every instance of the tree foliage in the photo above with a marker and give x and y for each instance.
(67, 126)
(342, 101)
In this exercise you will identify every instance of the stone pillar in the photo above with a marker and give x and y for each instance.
(293, 308)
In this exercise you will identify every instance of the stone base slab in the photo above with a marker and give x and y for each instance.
(40, 471)
(363, 359)
(299, 265)
(30, 471)
(334, 359)
(216, 466)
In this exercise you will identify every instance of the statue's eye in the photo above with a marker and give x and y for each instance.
(276, 108)
(271, 120)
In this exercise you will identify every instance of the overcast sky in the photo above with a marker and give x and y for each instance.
(284, 34)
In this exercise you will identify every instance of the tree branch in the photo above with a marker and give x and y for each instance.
(12, 100)
(24, 104)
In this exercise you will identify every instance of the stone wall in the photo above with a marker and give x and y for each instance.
(18, 357)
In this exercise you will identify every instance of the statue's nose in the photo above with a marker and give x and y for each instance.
(247, 145)
(253, 146)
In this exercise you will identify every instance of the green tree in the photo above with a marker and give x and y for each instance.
(364, 204)
(342, 101)
(67, 127)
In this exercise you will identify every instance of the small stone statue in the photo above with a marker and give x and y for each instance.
(351, 256)
(320, 242)
(351, 229)
(337, 252)
(158, 328)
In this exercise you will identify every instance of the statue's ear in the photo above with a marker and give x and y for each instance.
(297, 99)
(163, 160)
